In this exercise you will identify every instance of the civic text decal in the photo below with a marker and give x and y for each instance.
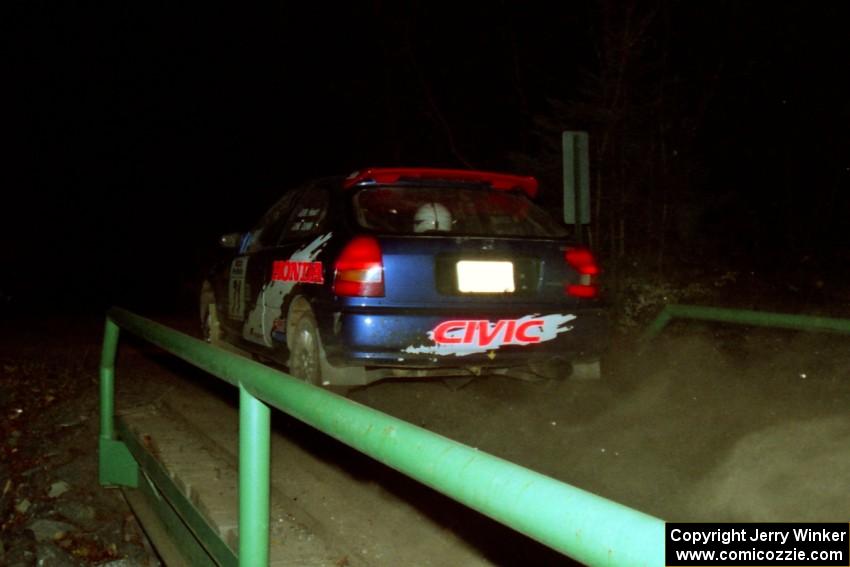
(461, 337)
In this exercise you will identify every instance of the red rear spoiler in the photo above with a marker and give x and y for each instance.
(498, 181)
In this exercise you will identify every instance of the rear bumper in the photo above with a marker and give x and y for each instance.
(423, 339)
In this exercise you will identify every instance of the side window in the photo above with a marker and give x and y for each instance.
(308, 216)
(268, 229)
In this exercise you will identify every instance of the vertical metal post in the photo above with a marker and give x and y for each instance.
(116, 465)
(107, 380)
(657, 325)
(254, 446)
(575, 159)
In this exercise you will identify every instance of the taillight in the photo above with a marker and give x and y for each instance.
(584, 263)
(359, 270)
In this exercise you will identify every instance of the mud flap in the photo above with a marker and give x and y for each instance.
(340, 375)
(591, 370)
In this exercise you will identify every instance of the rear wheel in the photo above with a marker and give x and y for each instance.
(304, 350)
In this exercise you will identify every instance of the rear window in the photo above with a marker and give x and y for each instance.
(452, 210)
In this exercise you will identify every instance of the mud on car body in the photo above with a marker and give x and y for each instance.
(409, 273)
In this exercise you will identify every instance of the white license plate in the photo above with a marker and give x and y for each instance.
(485, 277)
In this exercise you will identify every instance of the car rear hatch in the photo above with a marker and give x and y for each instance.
(463, 272)
(439, 299)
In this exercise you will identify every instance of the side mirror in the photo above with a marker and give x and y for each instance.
(230, 240)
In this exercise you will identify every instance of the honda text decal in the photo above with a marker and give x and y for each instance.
(468, 336)
(293, 271)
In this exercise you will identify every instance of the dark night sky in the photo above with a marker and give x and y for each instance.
(142, 131)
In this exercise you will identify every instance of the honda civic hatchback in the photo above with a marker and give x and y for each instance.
(409, 273)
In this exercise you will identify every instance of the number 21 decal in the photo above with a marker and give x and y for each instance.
(236, 291)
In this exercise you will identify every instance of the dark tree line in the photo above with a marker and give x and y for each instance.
(718, 134)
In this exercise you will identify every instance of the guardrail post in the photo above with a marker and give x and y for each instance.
(107, 380)
(254, 463)
(657, 325)
(115, 463)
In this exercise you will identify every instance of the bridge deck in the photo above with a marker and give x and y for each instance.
(207, 476)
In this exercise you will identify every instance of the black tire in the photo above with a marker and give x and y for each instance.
(304, 350)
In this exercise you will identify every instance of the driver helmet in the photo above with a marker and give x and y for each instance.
(432, 216)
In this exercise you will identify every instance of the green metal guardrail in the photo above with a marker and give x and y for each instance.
(584, 526)
(744, 317)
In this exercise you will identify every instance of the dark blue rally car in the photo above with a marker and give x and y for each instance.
(409, 273)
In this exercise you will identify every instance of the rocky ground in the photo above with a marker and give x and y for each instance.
(53, 512)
